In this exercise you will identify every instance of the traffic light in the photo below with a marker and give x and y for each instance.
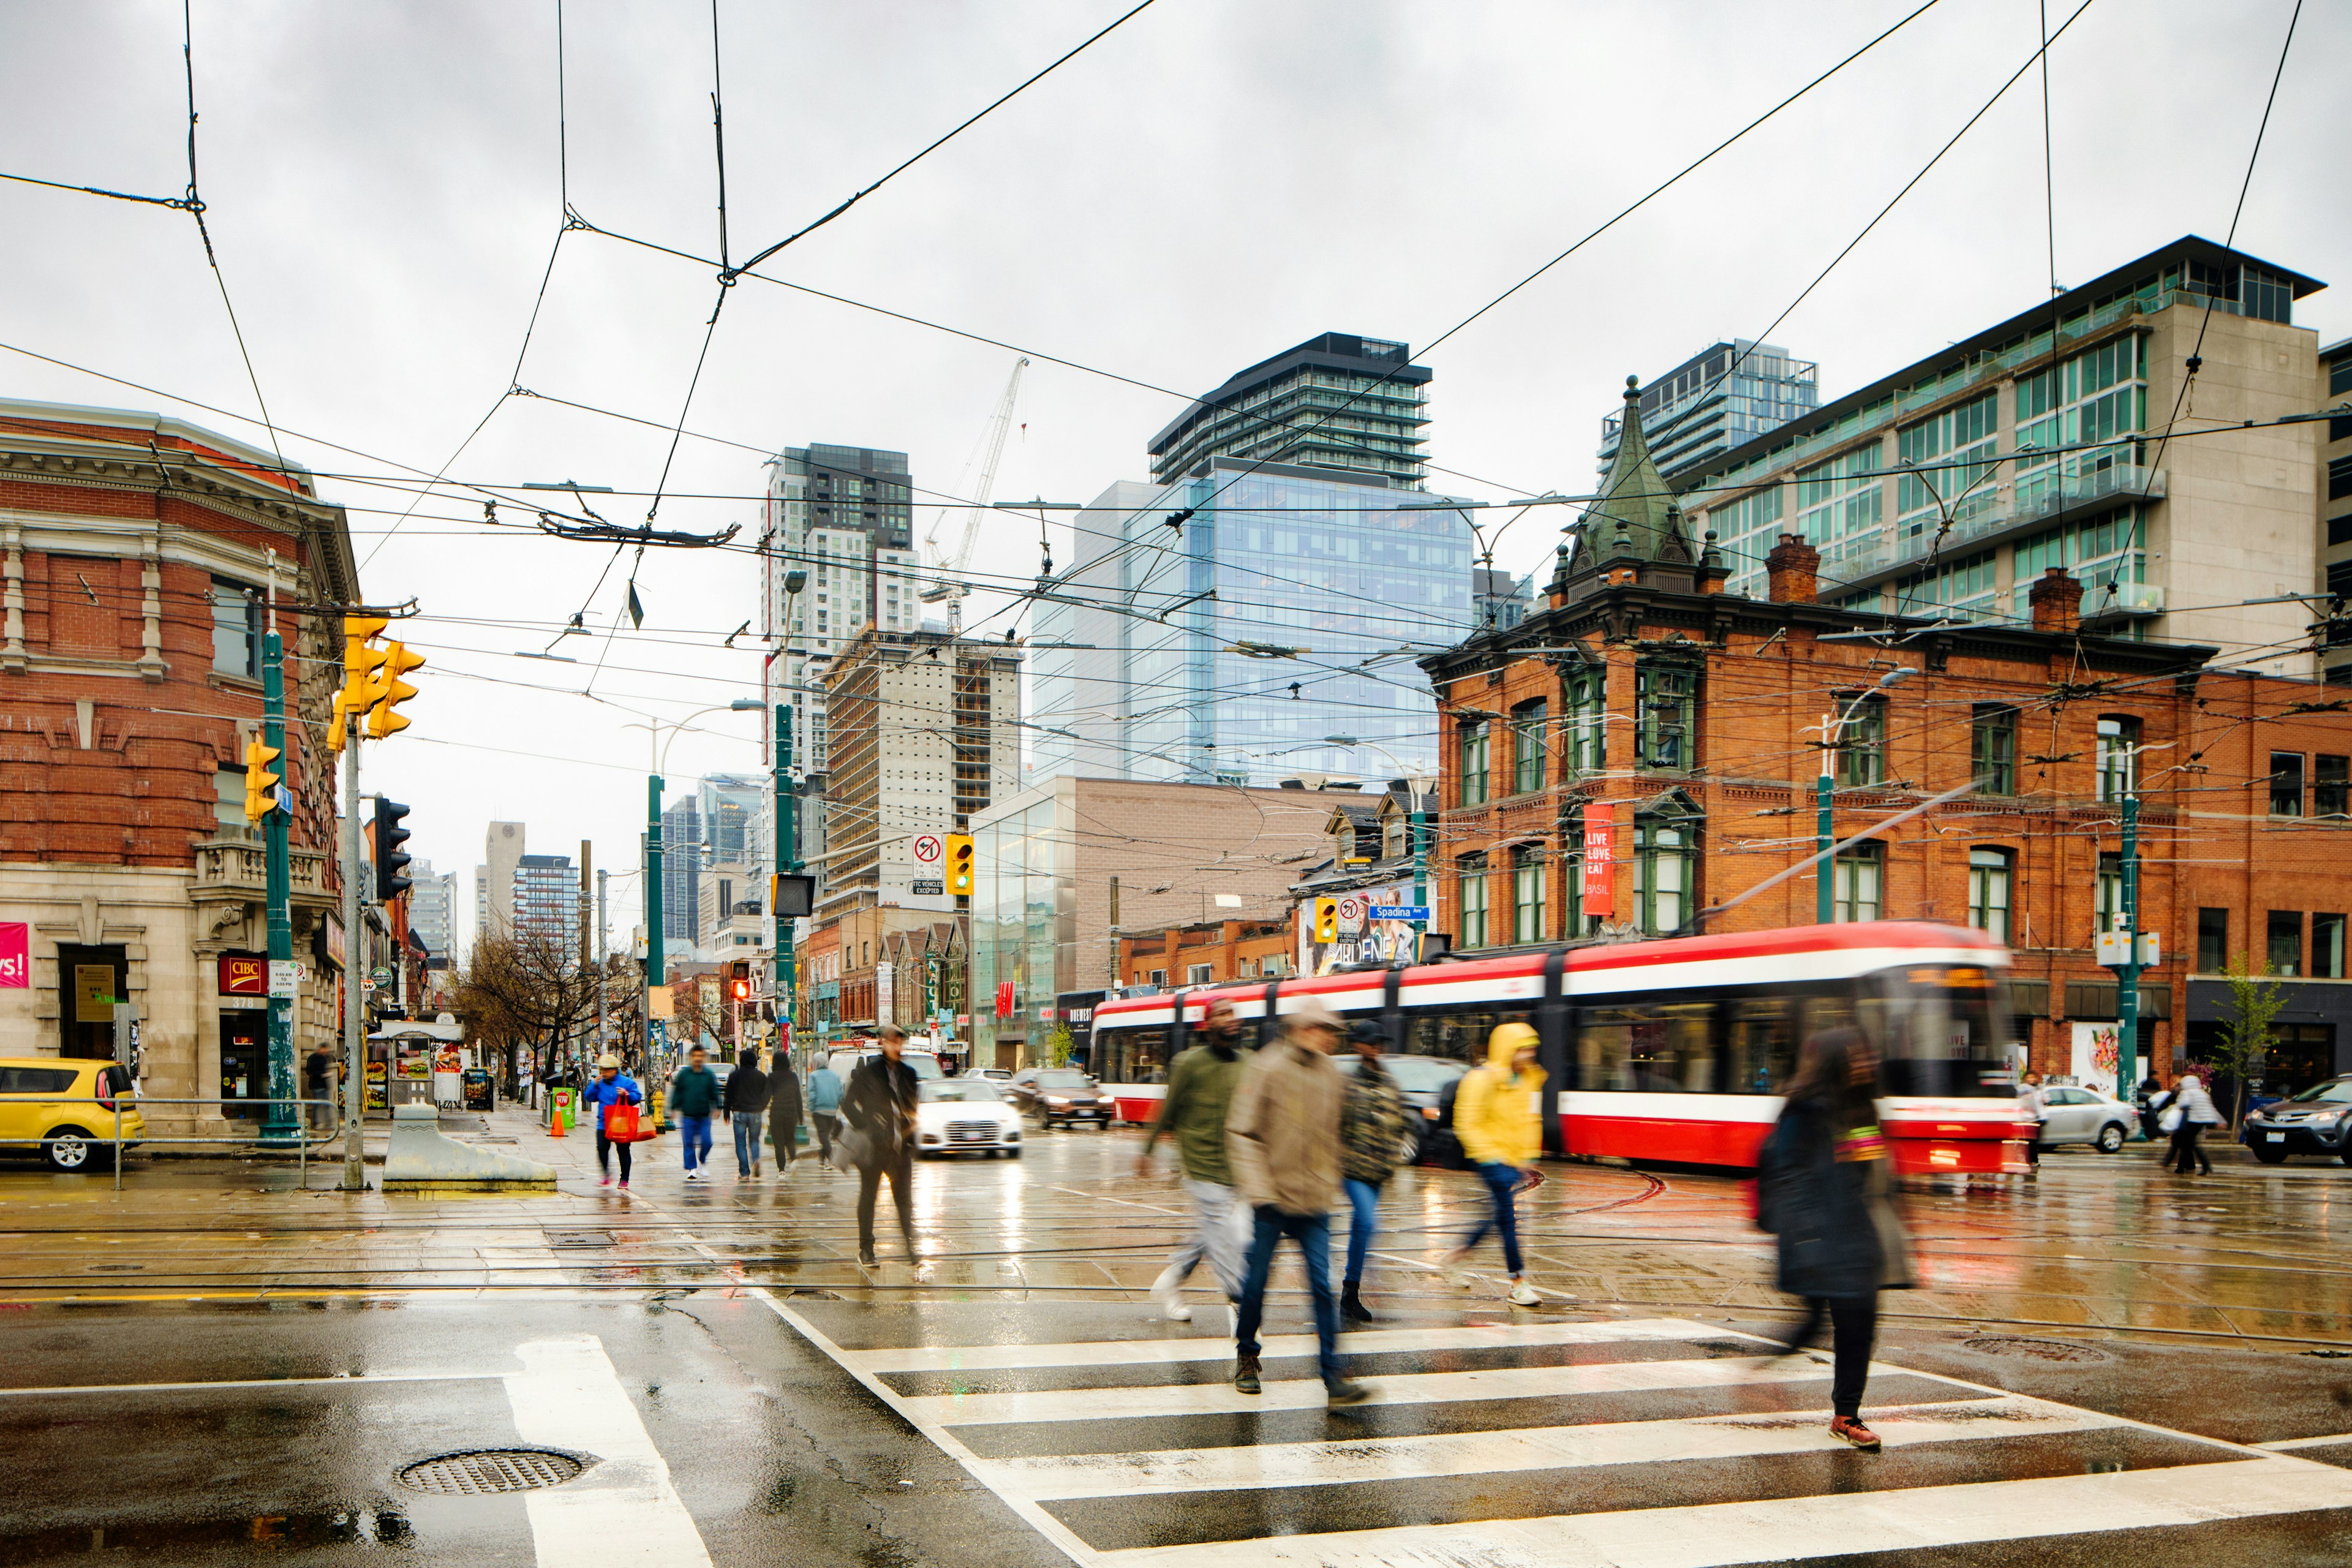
(361, 661)
(739, 982)
(959, 862)
(1327, 920)
(390, 862)
(385, 718)
(260, 783)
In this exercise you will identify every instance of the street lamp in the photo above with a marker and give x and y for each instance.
(1418, 780)
(787, 835)
(1825, 908)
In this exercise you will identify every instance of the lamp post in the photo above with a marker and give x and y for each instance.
(1824, 829)
(787, 835)
(1418, 780)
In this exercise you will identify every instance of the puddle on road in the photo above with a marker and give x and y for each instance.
(383, 1526)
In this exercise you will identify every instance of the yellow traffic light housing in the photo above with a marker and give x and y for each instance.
(384, 717)
(260, 783)
(362, 661)
(959, 854)
(1327, 920)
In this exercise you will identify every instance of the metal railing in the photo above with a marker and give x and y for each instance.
(302, 1143)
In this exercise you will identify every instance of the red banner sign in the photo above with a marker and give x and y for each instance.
(16, 955)
(1004, 1007)
(1600, 859)
(244, 974)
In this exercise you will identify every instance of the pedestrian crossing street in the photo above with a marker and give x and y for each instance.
(1657, 1443)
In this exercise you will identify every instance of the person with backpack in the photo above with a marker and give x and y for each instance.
(784, 1109)
(825, 1106)
(610, 1087)
(745, 1105)
(1371, 1139)
(1825, 1187)
(693, 1098)
(1495, 1117)
(1192, 1117)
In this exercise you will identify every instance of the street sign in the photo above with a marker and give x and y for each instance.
(1418, 912)
(1351, 913)
(935, 888)
(286, 977)
(381, 976)
(929, 849)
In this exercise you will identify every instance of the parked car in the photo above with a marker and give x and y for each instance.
(1422, 1082)
(2071, 1115)
(2316, 1121)
(65, 1107)
(993, 1075)
(965, 1116)
(1067, 1096)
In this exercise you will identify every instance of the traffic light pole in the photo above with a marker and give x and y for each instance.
(654, 971)
(786, 837)
(354, 1031)
(2127, 972)
(282, 1126)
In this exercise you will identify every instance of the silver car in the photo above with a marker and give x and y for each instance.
(2071, 1115)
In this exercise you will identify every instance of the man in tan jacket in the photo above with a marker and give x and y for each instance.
(1282, 1140)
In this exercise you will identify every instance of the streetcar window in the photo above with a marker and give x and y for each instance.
(1655, 1048)
(1762, 1039)
(1132, 1055)
(1941, 1031)
(1460, 1034)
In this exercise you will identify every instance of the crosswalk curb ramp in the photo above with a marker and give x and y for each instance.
(1657, 1443)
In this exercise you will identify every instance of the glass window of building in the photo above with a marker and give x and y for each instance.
(1588, 707)
(2106, 553)
(1527, 894)
(1988, 876)
(1860, 875)
(2098, 396)
(1951, 454)
(2118, 760)
(1862, 745)
(237, 629)
(1392, 845)
(2327, 947)
(2212, 941)
(228, 805)
(1665, 864)
(1472, 870)
(2331, 786)
(2286, 784)
(2284, 947)
(2111, 893)
(1744, 531)
(1993, 748)
(1527, 743)
(1474, 743)
(1839, 501)
(1667, 691)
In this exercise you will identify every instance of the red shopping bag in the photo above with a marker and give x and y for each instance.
(622, 1124)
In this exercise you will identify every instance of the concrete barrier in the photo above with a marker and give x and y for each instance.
(421, 1159)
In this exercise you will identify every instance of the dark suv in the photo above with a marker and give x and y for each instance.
(2316, 1121)
(1069, 1097)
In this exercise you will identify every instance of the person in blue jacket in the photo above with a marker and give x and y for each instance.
(612, 1087)
(823, 1104)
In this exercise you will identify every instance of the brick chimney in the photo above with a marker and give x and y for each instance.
(1793, 572)
(2056, 600)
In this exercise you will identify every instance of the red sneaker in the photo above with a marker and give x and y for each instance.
(1849, 1429)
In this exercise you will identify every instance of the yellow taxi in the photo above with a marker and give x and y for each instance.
(65, 1107)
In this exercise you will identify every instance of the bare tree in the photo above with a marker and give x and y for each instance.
(527, 990)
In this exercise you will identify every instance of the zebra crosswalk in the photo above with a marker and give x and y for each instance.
(1658, 1443)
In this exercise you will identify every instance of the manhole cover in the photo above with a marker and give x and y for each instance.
(483, 1470)
(2025, 1348)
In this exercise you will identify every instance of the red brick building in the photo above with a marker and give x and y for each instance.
(141, 556)
(1205, 954)
(1686, 724)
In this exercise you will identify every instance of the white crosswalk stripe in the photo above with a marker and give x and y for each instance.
(1545, 1451)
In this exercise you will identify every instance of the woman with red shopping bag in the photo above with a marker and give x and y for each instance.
(613, 1091)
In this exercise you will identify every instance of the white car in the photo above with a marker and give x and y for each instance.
(2071, 1115)
(964, 1116)
(993, 1075)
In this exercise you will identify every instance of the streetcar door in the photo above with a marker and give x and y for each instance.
(1551, 1049)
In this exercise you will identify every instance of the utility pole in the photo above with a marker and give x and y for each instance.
(1115, 984)
(354, 1032)
(587, 850)
(1419, 827)
(1825, 829)
(2127, 972)
(786, 863)
(603, 1030)
(283, 1125)
(646, 968)
(654, 972)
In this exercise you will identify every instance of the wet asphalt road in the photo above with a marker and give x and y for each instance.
(217, 1367)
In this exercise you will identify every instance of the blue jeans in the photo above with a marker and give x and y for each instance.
(748, 1127)
(694, 1133)
(1500, 1179)
(1313, 1234)
(1363, 1223)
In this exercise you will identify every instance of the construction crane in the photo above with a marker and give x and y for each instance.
(948, 585)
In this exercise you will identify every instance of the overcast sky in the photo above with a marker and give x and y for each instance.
(1214, 181)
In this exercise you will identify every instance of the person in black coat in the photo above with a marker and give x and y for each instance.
(879, 1106)
(1824, 1186)
(784, 1109)
(745, 1103)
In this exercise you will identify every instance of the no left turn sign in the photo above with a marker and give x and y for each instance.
(928, 850)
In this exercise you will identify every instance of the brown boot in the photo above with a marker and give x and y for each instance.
(1246, 1375)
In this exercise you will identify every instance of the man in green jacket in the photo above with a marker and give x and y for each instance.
(1199, 1086)
(693, 1096)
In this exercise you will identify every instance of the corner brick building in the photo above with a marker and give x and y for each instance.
(141, 555)
(1685, 723)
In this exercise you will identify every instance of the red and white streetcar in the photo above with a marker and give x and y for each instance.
(1670, 1050)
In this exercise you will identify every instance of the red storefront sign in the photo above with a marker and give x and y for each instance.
(1600, 859)
(244, 974)
(16, 955)
(1004, 1007)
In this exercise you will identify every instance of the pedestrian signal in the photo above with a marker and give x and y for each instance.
(384, 718)
(739, 990)
(260, 783)
(958, 857)
(1327, 920)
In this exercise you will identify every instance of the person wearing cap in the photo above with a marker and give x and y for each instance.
(1495, 1118)
(1371, 1136)
(1192, 1117)
(1282, 1140)
(610, 1088)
